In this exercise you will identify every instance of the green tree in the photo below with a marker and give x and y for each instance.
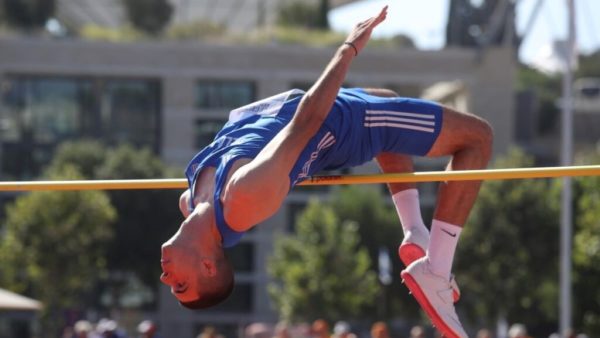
(28, 14)
(53, 247)
(507, 258)
(301, 14)
(589, 65)
(586, 253)
(150, 16)
(146, 217)
(321, 271)
(378, 227)
(151, 215)
(87, 156)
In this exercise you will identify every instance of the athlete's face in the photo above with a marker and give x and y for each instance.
(180, 271)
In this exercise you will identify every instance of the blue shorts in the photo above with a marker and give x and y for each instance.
(361, 126)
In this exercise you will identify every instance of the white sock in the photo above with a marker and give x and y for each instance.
(442, 245)
(409, 210)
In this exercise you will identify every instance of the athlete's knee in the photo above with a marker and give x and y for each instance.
(482, 138)
(486, 135)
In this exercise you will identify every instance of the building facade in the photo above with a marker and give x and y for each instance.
(173, 97)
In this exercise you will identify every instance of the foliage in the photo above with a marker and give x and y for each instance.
(146, 217)
(54, 243)
(321, 271)
(507, 258)
(85, 155)
(589, 65)
(302, 14)
(150, 16)
(121, 34)
(150, 215)
(378, 227)
(28, 14)
(300, 36)
(197, 30)
(586, 253)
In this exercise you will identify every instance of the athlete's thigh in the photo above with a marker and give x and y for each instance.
(459, 130)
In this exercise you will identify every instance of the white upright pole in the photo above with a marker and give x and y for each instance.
(566, 216)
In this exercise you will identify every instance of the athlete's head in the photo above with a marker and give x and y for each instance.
(198, 273)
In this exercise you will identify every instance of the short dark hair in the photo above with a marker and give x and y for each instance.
(216, 293)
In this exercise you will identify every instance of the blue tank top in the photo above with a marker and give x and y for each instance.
(342, 141)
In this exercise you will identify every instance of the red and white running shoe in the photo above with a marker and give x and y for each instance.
(434, 294)
(413, 247)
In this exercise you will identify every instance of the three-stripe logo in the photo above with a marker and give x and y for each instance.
(402, 120)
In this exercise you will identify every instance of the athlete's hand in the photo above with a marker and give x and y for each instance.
(361, 33)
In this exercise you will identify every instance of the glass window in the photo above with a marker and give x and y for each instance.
(206, 130)
(39, 112)
(224, 94)
(130, 111)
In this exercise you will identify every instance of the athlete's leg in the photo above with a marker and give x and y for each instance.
(468, 139)
(405, 197)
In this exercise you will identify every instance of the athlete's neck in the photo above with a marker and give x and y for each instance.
(199, 230)
(204, 188)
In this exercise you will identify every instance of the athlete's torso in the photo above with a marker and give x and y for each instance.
(344, 140)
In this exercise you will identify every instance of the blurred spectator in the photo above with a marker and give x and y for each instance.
(257, 330)
(147, 329)
(517, 331)
(380, 330)
(484, 333)
(282, 330)
(83, 329)
(417, 332)
(108, 328)
(320, 329)
(210, 332)
(68, 332)
(301, 330)
(342, 330)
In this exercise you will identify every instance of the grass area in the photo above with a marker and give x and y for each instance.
(210, 32)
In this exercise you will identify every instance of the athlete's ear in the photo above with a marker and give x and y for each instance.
(208, 267)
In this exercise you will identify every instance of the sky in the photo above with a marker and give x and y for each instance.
(425, 21)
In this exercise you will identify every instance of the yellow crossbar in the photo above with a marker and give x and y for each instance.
(426, 176)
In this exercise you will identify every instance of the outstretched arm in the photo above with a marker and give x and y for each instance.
(317, 102)
(257, 189)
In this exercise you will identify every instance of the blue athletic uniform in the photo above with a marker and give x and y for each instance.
(358, 128)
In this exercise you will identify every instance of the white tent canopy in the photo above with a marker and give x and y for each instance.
(12, 301)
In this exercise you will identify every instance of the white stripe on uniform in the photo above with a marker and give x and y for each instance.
(403, 114)
(399, 125)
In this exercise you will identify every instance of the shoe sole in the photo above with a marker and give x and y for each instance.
(419, 295)
(409, 253)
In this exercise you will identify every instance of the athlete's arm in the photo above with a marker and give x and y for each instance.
(257, 189)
